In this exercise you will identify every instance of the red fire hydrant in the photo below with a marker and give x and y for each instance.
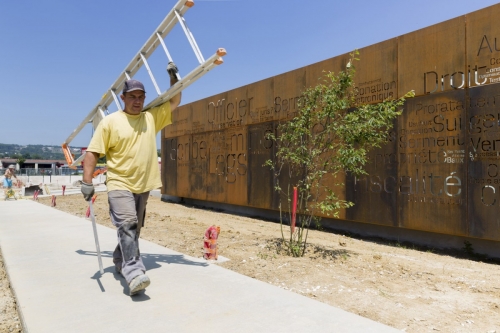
(210, 243)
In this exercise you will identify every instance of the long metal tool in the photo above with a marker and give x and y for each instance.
(176, 15)
(98, 249)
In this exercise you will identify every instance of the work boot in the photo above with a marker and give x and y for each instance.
(138, 283)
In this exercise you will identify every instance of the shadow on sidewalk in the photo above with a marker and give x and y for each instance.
(151, 261)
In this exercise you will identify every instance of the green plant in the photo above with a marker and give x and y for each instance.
(329, 137)
(468, 248)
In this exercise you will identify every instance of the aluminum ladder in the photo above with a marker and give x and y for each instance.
(176, 15)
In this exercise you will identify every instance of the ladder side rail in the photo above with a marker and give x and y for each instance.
(187, 80)
(99, 116)
(78, 160)
(81, 126)
(96, 119)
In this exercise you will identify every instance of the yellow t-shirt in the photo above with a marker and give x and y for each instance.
(129, 143)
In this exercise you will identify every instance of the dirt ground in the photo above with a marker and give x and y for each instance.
(403, 286)
(9, 318)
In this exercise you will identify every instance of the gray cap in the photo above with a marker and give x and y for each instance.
(12, 166)
(131, 85)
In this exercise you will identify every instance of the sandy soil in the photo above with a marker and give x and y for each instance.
(400, 285)
(9, 318)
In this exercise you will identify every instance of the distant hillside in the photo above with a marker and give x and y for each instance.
(38, 152)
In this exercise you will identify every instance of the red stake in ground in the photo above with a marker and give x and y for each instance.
(294, 209)
(87, 214)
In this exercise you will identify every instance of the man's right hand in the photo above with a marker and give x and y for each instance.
(87, 191)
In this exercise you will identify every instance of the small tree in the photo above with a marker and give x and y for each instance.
(20, 159)
(330, 137)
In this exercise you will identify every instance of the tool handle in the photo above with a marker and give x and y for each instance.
(98, 250)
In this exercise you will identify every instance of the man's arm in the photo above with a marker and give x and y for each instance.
(174, 100)
(89, 163)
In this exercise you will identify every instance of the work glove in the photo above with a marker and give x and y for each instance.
(87, 191)
(172, 70)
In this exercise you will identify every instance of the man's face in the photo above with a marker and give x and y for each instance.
(134, 101)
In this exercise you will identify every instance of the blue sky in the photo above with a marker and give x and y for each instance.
(58, 57)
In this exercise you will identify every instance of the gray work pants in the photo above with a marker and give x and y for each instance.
(127, 211)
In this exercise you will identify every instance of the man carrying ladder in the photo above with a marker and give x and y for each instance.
(128, 140)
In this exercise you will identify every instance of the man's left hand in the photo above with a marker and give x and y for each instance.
(172, 70)
(87, 191)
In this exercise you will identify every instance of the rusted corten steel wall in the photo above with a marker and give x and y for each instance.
(440, 170)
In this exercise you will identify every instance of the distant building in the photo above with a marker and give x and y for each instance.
(32, 164)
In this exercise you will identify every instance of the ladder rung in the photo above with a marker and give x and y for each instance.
(117, 102)
(190, 37)
(78, 160)
(145, 61)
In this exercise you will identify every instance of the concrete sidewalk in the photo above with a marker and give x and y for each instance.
(51, 263)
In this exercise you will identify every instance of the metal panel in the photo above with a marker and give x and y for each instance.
(260, 186)
(483, 120)
(260, 101)
(198, 122)
(169, 166)
(198, 166)
(432, 164)
(181, 121)
(220, 113)
(483, 46)
(375, 196)
(216, 182)
(316, 72)
(227, 110)
(377, 72)
(287, 89)
(183, 152)
(236, 168)
(432, 60)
